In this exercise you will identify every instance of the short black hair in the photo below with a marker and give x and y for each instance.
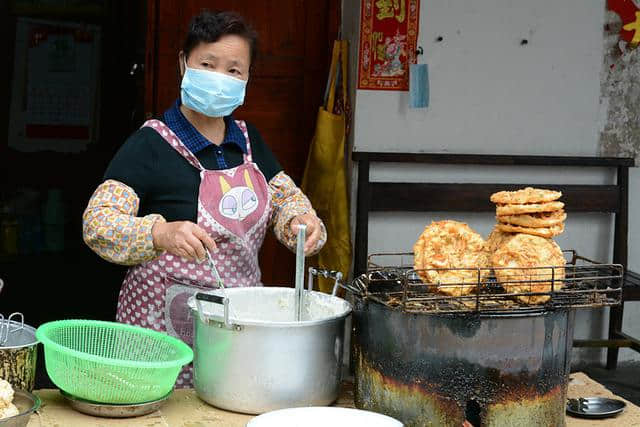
(209, 27)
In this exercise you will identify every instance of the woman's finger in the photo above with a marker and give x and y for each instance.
(312, 240)
(312, 226)
(183, 253)
(205, 238)
(193, 254)
(313, 234)
(196, 246)
(313, 230)
(295, 222)
(302, 220)
(186, 244)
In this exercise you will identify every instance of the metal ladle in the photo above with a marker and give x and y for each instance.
(216, 276)
(214, 270)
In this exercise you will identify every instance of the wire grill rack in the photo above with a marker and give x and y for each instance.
(391, 280)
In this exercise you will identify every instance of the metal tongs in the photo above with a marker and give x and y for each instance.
(214, 270)
(224, 300)
(9, 325)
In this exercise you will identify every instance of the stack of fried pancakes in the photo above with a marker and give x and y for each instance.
(520, 249)
(532, 211)
(527, 221)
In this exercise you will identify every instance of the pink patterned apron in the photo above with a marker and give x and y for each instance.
(233, 207)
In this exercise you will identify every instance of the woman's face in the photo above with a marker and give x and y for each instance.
(229, 55)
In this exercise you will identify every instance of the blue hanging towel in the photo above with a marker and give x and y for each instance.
(418, 86)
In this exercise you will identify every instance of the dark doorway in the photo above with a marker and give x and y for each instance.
(49, 273)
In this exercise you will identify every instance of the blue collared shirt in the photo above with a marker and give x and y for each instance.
(196, 142)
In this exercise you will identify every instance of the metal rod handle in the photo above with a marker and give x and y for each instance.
(302, 230)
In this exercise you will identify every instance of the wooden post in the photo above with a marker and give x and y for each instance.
(362, 216)
(620, 252)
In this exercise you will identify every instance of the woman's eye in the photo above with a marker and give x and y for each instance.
(235, 71)
(205, 64)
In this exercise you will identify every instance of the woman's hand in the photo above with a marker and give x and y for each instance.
(313, 230)
(182, 238)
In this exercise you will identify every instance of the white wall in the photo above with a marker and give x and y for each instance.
(492, 95)
(489, 94)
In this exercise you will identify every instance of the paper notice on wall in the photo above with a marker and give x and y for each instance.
(55, 79)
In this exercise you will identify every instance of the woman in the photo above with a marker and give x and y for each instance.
(193, 182)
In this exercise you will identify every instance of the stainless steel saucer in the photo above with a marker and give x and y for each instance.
(595, 407)
(107, 410)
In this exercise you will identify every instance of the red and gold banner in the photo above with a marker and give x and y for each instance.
(388, 35)
(629, 13)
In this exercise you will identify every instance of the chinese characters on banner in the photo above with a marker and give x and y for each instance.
(388, 35)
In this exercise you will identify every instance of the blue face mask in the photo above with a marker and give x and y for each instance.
(210, 93)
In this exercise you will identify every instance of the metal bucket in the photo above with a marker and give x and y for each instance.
(18, 354)
(258, 358)
(438, 370)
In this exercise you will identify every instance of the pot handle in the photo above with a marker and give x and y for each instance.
(328, 274)
(357, 287)
(216, 299)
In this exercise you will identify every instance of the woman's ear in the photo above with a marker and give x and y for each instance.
(181, 63)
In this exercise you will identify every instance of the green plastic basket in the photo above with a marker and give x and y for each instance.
(111, 362)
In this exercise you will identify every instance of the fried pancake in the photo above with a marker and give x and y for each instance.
(496, 239)
(450, 244)
(536, 220)
(526, 195)
(526, 251)
(517, 209)
(547, 232)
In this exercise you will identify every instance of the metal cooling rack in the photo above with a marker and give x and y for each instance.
(391, 280)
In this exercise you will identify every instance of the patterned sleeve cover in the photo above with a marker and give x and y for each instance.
(111, 228)
(287, 202)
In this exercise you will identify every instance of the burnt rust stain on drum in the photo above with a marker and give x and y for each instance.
(541, 411)
(419, 404)
(449, 364)
(413, 404)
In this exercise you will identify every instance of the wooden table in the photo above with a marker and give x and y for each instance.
(185, 409)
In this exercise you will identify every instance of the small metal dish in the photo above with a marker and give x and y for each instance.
(595, 407)
(27, 403)
(107, 410)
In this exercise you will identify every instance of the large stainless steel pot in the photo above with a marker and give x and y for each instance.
(258, 358)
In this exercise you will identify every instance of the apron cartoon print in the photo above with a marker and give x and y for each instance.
(234, 208)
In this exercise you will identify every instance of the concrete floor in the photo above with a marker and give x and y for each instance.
(623, 381)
